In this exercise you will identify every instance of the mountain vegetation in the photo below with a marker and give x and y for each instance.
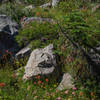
(73, 27)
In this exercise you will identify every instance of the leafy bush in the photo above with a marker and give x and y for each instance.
(16, 11)
(41, 31)
(13, 10)
(78, 30)
(35, 2)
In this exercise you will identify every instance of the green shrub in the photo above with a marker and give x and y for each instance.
(35, 2)
(13, 10)
(42, 88)
(16, 11)
(41, 31)
(67, 6)
(78, 30)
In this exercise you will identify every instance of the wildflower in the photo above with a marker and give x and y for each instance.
(69, 98)
(73, 93)
(59, 98)
(2, 84)
(46, 80)
(56, 91)
(55, 85)
(39, 82)
(74, 88)
(92, 94)
(81, 93)
(66, 92)
(41, 86)
(34, 82)
(35, 97)
(38, 77)
(6, 51)
(13, 75)
(37, 13)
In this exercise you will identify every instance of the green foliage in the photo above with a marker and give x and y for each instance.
(39, 88)
(16, 11)
(81, 26)
(35, 2)
(41, 31)
(78, 30)
(68, 6)
(13, 10)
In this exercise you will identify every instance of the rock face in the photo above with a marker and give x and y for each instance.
(43, 62)
(66, 82)
(8, 29)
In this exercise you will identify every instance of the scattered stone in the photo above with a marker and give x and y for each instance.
(8, 31)
(45, 5)
(42, 62)
(29, 7)
(27, 20)
(66, 82)
(23, 52)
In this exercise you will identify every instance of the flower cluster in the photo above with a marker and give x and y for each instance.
(5, 58)
(39, 81)
(2, 84)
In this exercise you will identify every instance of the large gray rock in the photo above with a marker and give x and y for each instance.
(66, 82)
(43, 62)
(8, 29)
(7, 25)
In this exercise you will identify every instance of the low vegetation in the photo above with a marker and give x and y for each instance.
(71, 18)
